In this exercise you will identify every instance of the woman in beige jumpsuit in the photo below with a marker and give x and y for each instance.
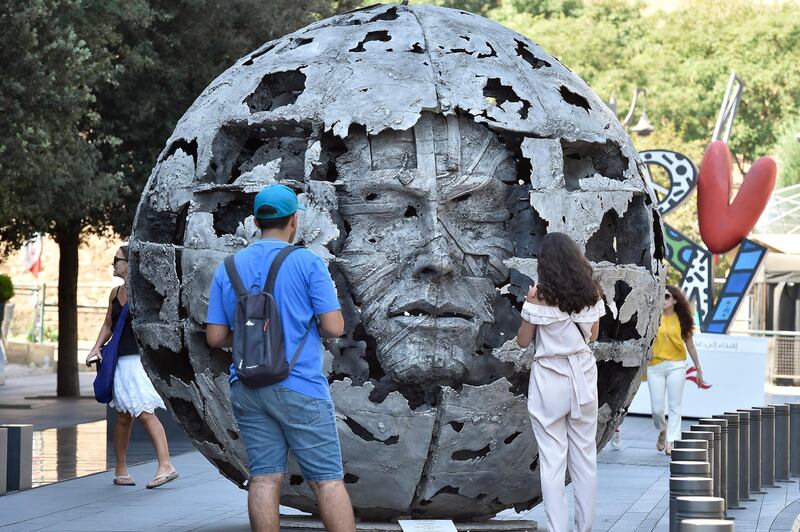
(561, 316)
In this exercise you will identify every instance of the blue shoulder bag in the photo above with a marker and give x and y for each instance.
(104, 381)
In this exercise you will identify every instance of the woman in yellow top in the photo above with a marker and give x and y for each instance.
(667, 371)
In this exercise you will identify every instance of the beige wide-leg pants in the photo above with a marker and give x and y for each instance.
(562, 402)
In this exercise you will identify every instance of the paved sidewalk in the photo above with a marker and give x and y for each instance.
(633, 484)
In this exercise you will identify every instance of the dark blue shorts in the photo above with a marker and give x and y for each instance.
(274, 419)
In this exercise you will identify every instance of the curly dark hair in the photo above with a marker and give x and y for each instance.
(566, 278)
(684, 311)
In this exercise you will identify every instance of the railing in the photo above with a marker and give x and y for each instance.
(783, 356)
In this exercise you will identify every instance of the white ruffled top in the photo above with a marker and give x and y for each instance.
(561, 348)
(555, 333)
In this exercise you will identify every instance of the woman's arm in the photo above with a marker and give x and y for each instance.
(527, 330)
(693, 353)
(526, 333)
(105, 332)
(595, 331)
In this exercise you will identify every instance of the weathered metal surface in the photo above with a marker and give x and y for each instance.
(433, 149)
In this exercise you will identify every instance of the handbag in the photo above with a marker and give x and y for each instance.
(104, 381)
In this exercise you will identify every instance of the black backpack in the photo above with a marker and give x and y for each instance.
(258, 350)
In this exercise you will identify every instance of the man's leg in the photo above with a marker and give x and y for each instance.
(309, 425)
(335, 507)
(266, 454)
(263, 502)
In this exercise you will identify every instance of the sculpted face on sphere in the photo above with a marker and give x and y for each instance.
(426, 211)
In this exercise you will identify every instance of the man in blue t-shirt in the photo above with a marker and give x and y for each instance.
(296, 413)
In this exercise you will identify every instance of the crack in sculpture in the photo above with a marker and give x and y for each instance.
(428, 202)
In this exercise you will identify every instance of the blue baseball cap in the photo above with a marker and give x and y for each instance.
(275, 201)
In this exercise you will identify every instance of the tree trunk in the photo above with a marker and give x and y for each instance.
(67, 237)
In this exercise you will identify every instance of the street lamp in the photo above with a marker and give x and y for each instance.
(643, 127)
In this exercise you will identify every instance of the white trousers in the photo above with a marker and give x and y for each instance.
(666, 381)
(562, 403)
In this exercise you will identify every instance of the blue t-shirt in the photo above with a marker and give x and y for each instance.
(303, 288)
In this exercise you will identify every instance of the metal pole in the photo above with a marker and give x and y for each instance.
(709, 425)
(781, 442)
(744, 456)
(706, 525)
(733, 459)
(699, 508)
(707, 435)
(767, 446)
(755, 450)
(723, 464)
(794, 439)
(682, 487)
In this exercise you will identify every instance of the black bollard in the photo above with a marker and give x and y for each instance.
(744, 456)
(723, 461)
(733, 459)
(19, 457)
(755, 450)
(767, 446)
(707, 435)
(716, 469)
(706, 525)
(679, 469)
(794, 438)
(689, 455)
(781, 442)
(699, 508)
(691, 444)
(686, 487)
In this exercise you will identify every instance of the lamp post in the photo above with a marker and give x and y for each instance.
(643, 127)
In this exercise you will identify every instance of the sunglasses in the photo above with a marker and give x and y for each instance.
(667, 297)
(117, 259)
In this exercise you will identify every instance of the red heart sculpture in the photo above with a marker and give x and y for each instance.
(723, 225)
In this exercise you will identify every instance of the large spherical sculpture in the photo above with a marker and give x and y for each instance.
(434, 149)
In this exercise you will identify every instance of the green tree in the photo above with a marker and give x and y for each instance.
(91, 91)
(788, 154)
(56, 53)
(166, 63)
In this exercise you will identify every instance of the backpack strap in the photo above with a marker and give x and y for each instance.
(233, 275)
(302, 343)
(269, 285)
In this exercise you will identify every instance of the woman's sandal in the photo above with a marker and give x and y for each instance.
(662, 440)
(160, 480)
(668, 451)
(124, 480)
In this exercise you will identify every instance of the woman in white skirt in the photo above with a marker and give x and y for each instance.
(561, 313)
(134, 395)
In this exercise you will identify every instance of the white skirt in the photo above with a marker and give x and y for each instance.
(133, 391)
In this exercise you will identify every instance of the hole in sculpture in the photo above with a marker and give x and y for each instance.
(527, 56)
(295, 480)
(349, 478)
(232, 434)
(276, 89)
(500, 94)
(411, 212)
(389, 14)
(573, 98)
(362, 432)
(188, 147)
(381, 36)
(266, 48)
(511, 438)
(457, 425)
(468, 454)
